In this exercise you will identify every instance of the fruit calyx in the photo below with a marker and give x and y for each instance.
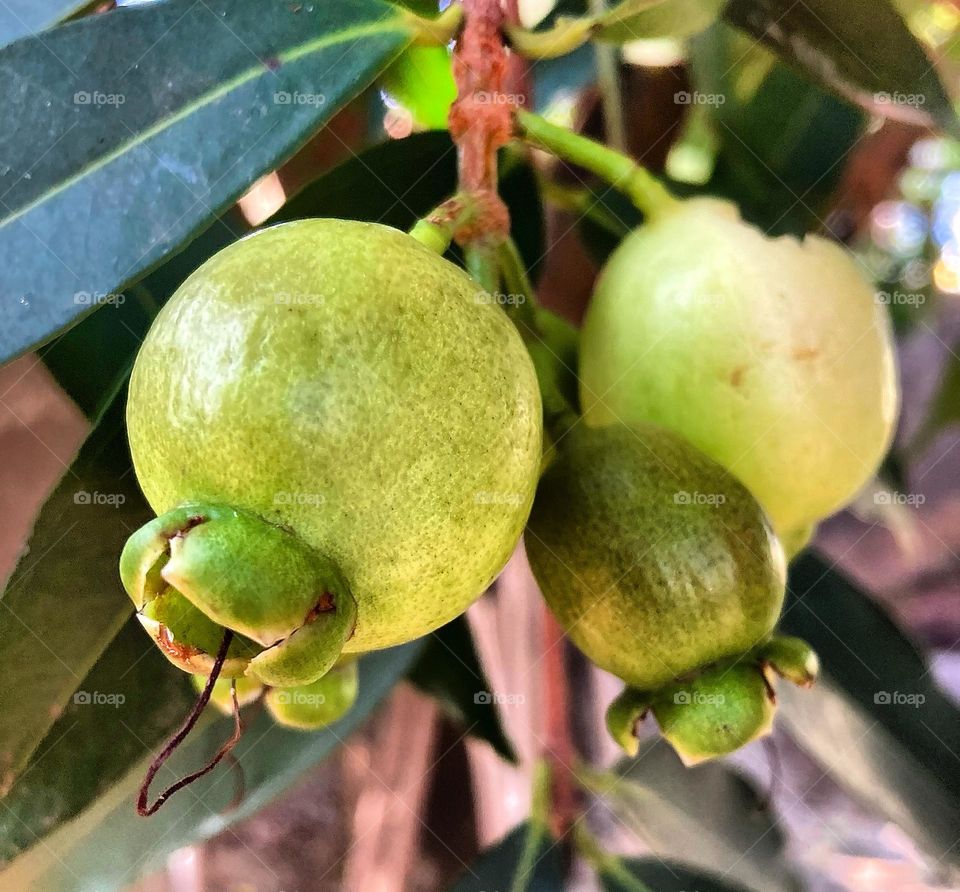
(201, 569)
(717, 708)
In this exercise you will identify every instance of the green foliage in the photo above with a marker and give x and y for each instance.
(173, 109)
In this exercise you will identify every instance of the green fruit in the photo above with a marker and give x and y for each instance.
(341, 434)
(221, 698)
(652, 556)
(772, 356)
(316, 705)
(662, 568)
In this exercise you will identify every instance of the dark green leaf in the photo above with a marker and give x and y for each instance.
(126, 133)
(520, 189)
(525, 848)
(394, 183)
(860, 49)
(877, 721)
(668, 876)
(108, 846)
(21, 17)
(783, 140)
(127, 705)
(449, 670)
(706, 816)
(64, 604)
(93, 359)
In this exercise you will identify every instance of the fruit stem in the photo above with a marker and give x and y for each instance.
(145, 810)
(444, 223)
(615, 168)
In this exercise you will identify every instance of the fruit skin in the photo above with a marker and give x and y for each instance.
(221, 698)
(313, 706)
(770, 355)
(342, 381)
(655, 560)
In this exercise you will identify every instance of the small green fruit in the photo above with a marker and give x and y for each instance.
(653, 557)
(316, 705)
(221, 698)
(341, 435)
(772, 356)
(664, 571)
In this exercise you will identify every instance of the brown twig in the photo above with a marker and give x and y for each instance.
(145, 810)
(481, 118)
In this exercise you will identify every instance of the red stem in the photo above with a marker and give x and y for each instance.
(480, 119)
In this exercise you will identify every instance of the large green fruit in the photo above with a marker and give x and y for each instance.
(663, 569)
(771, 355)
(654, 559)
(328, 411)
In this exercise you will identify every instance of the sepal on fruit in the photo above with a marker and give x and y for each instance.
(200, 569)
(623, 716)
(189, 639)
(719, 711)
(792, 659)
(309, 652)
(313, 706)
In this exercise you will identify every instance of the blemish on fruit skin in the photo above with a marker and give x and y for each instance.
(736, 376)
(804, 353)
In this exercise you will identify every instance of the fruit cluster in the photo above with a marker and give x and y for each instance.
(342, 435)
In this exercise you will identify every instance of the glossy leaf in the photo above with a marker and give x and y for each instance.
(64, 603)
(878, 721)
(107, 847)
(449, 670)
(783, 139)
(860, 49)
(394, 183)
(126, 133)
(126, 707)
(19, 18)
(707, 817)
(525, 860)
